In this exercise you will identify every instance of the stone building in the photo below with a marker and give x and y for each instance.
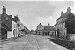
(39, 29)
(45, 30)
(5, 23)
(60, 24)
(21, 27)
(49, 31)
(32, 32)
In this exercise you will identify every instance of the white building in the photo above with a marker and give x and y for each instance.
(10, 33)
(39, 29)
(16, 29)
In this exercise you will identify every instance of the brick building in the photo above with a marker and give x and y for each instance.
(5, 23)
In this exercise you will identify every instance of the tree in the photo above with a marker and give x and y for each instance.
(70, 23)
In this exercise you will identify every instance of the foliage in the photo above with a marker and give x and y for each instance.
(70, 23)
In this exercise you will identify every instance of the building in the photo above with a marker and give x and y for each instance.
(5, 23)
(10, 33)
(19, 28)
(45, 30)
(60, 24)
(26, 30)
(49, 31)
(39, 29)
(32, 32)
(15, 30)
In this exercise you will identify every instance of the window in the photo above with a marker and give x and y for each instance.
(18, 25)
(7, 18)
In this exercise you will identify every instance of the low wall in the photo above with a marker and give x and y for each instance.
(72, 37)
(10, 34)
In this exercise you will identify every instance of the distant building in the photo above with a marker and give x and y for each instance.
(32, 32)
(19, 29)
(39, 29)
(49, 30)
(45, 30)
(5, 24)
(60, 24)
(26, 30)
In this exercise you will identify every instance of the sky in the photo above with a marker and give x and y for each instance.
(32, 13)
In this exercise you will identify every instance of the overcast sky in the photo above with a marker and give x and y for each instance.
(31, 13)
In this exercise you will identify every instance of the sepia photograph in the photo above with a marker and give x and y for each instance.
(37, 25)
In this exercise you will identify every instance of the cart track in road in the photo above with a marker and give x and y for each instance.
(31, 42)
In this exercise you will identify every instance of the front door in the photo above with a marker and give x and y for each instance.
(3, 33)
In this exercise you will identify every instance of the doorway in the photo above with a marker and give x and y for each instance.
(3, 33)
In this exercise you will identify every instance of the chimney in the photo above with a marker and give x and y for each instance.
(68, 10)
(62, 13)
(48, 24)
(40, 23)
(4, 9)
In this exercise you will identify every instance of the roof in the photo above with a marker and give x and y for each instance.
(64, 16)
(51, 28)
(39, 30)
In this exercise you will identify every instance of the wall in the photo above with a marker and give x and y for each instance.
(0, 26)
(40, 27)
(72, 37)
(10, 34)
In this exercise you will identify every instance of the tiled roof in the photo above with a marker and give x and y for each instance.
(64, 15)
(52, 28)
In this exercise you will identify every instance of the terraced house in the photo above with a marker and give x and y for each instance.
(46, 30)
(60, 25)
(5, 23)
(39, 29)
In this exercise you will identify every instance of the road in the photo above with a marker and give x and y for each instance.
(31, 42)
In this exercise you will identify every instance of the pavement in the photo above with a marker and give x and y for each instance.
(31, 42)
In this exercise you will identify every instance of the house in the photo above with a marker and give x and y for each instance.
(5, 23)
(10, 33)
(45, 30)
(32, 32)
(39, 29)
(60, 24)
(49, 30)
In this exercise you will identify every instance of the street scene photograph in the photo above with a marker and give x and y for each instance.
(37, 25)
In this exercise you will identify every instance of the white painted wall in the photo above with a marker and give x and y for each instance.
(10, 33)
(14, 26)
(72, 37)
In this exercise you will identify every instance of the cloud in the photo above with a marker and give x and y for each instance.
(31, 13)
